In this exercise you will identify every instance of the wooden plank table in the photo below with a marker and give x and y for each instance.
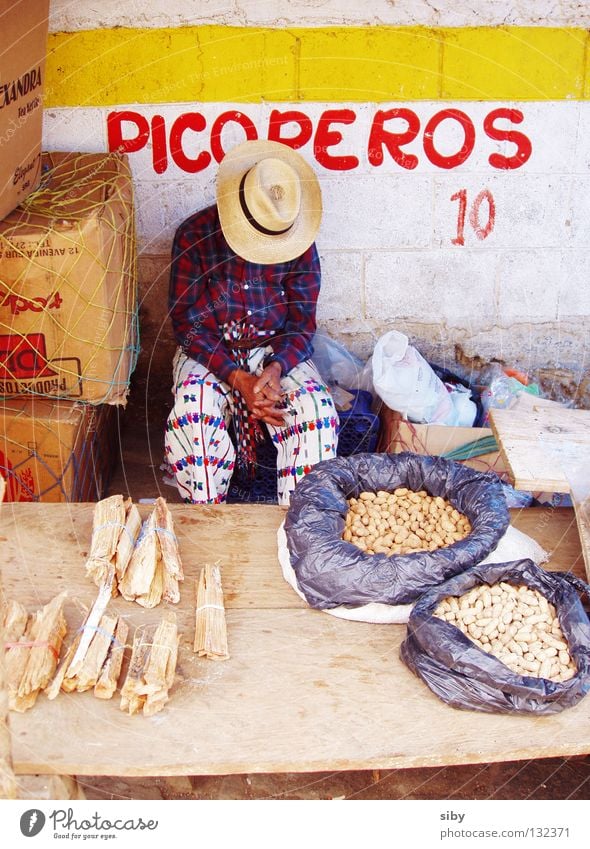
(548, 450)
(303, 691)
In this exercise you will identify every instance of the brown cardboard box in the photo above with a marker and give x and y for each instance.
(398, 435)
(68, 290)
(23, 28)
(56, 450)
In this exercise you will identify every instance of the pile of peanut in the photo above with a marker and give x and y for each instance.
(402, 522)
(515, 624)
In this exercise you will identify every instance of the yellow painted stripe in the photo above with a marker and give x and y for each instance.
(213, 63)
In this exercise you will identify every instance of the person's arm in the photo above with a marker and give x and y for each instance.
(293, 344)
(189, 309)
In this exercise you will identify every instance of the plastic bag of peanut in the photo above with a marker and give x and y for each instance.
(503, 638)
(373, 553)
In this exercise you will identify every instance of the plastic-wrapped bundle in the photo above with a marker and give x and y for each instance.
(332, 572)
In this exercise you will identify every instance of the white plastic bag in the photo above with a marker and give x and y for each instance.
(464, 409)
(406, 383)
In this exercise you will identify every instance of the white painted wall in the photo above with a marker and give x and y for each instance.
(386, 237)
(522, 294)
(71, 15)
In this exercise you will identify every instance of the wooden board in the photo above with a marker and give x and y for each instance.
(548, 449)
(539, 446)
(302, 691)
(582, 511)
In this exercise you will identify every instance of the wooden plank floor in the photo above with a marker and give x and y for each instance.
(302, 692)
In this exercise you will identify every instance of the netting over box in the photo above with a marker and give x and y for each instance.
(68, 283)
(53, 451)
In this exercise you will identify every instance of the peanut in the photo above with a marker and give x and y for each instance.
(402, 522)
(517, 625)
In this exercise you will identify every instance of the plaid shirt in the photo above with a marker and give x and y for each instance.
(210, 286)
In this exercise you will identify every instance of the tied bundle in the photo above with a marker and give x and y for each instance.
(96, 655)
(210, 624)
(145, 558)
(32, 646)
(152, 667)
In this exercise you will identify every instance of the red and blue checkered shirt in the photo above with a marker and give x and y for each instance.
(211, 286)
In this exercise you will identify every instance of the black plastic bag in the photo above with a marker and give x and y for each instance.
(331, 571)
(464, 676)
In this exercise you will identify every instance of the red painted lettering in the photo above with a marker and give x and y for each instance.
(483, 232)
(326, 137)
(461, 196)
(454, 159)
(279, 119)
(220, 122)
(159, 151)
(391, 131)
(380, 137)
(522, 142)
(188, 121)
(117, 142)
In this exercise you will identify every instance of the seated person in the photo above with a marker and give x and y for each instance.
(245, 279)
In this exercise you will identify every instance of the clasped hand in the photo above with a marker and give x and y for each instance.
(262, 392)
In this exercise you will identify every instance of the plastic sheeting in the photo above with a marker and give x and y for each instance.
(332, 572)
(464, 676)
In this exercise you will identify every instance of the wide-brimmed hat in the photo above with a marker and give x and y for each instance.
(269, 202)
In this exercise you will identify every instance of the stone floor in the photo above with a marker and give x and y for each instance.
(138, 475)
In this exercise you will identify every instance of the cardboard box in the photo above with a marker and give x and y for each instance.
(23, 25)
(399, 435)
(54, 451)
(68, 289)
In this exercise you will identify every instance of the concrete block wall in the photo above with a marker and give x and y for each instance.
(472, 232)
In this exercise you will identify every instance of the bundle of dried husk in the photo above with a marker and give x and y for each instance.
(152, 667)
(210, 624)
(95, 656)
(145, 557)
(32, 644)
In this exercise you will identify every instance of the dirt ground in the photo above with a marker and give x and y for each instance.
(551, 778)
(138, 475)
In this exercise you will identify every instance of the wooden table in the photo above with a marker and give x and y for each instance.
(303, 691)
(548, 450)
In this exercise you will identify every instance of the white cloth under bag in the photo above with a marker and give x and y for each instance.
(514, 545)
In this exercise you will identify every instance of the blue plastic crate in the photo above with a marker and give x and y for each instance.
(359, 427)
(263, 488)
(359, 432)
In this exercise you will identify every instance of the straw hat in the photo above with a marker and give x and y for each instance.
(269, 202)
